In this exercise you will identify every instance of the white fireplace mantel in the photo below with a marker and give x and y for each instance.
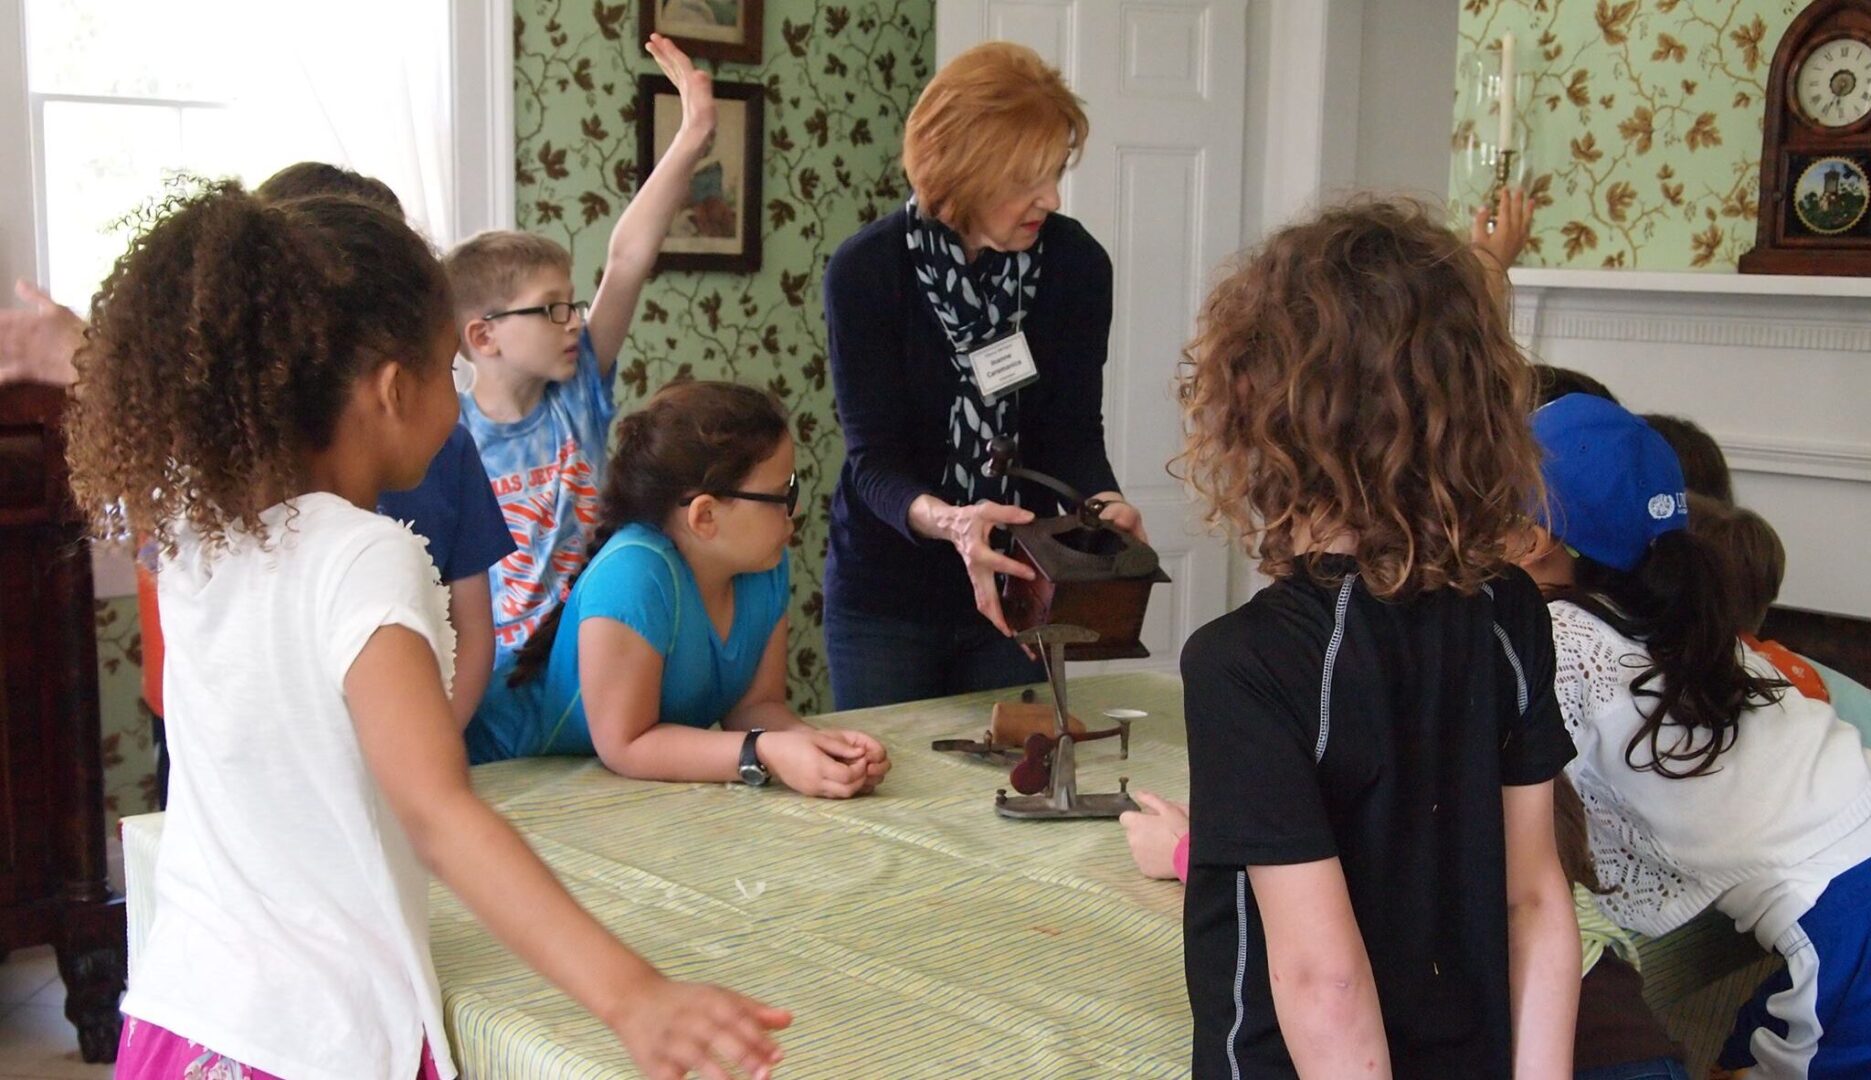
(1777, 368)
(1666, 281)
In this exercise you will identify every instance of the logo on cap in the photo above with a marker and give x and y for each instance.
(1662, 506)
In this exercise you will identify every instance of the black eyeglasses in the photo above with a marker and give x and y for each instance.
(790, 500)
(559, 312)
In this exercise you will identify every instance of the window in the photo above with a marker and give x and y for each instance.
(112, 96)
(122, 94)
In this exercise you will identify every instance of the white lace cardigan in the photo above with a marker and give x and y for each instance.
(1786, 808)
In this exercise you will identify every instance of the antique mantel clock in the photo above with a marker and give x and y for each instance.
(1816, 146)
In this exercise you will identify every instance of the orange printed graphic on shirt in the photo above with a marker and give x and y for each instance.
(551, 511)
(1792, 667)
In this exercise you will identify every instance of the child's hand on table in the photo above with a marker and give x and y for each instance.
(1154, 832)
(862, 747)
(672, 1029)
(823, 764)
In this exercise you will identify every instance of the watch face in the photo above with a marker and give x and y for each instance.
(1834, 83)
(1830, 196)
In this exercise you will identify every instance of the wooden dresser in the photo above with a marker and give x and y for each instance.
(53, 881)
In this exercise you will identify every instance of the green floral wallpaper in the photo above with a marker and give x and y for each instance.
(1642, 125)
(840, 79)
(129, 744)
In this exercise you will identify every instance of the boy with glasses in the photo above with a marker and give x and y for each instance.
(540, 400)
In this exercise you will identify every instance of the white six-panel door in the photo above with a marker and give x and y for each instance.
(1160, 186)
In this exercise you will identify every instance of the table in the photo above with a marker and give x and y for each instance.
(914, 933)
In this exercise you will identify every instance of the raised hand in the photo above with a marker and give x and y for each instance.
(37, 343)
(696, 88)
(1513, 223)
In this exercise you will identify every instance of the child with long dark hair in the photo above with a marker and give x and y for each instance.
(259, 374)
(1706, 780)
(1373, 884)
(678, 624)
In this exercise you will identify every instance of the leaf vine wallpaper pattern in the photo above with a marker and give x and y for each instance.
(129, 744)
(1643, 125)
(840, 79)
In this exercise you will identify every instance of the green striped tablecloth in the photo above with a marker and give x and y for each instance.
(913, 933)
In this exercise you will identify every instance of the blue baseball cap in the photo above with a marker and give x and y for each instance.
(1612, 483)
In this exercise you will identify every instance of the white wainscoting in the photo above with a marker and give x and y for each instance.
(1778, 370)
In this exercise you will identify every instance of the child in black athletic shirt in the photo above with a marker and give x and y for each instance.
(1373, 884)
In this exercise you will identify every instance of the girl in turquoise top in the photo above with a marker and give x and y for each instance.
(678, 623)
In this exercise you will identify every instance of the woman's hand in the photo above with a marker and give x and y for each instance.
(1121, 515)
(695, 87)
(1154, 832)
(673, 1029)
(822, 764)
(968, 528)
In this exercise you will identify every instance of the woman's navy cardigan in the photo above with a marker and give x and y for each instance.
(894, 383)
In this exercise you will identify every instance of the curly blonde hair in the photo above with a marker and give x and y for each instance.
(1354, 380)
(224, 347)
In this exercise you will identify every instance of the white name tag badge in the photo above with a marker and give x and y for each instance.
(1003, 366)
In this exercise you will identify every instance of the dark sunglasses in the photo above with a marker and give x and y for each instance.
(559, 312)
(790, 500)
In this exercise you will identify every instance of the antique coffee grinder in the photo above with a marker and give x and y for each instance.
(1085, 602)
(1088, 574)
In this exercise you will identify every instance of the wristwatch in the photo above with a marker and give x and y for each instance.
(753, 774)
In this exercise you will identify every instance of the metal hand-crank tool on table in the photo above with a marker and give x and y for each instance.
(1055, 763)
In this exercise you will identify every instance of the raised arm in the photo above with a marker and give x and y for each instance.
(1542, 937)
(1323, 989)
(37, 343)
(641, 228)
(1500, 247)
(414, 750)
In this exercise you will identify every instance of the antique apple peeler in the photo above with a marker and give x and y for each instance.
(1049, 765)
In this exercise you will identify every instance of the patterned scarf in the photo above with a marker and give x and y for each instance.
(975, 303)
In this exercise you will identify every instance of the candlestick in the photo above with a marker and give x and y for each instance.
(1507, 92)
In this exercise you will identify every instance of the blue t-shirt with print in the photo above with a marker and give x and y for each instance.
(546, 469)
(640, 579)
(454, 509)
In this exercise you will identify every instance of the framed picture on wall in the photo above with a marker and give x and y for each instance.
(718, 225)
(707, 29)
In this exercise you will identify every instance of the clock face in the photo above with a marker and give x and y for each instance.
(1834, 83)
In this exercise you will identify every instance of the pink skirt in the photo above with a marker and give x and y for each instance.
(148, 1052)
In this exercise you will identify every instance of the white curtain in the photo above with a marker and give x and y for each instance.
(359, 83)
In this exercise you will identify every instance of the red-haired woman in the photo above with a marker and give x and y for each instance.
(978, 259)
